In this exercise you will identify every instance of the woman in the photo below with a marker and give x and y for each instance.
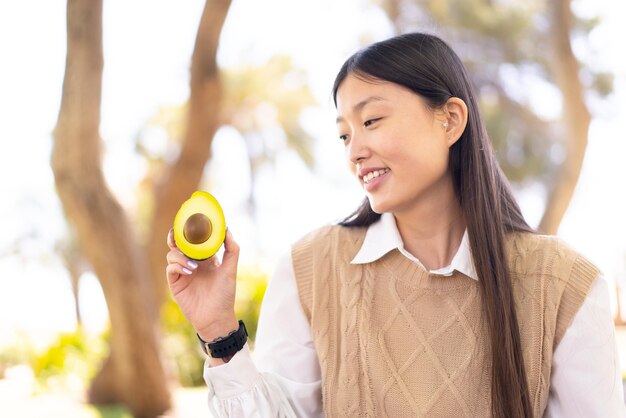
(435, 298)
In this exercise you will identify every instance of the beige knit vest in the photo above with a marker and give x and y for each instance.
(394, 340)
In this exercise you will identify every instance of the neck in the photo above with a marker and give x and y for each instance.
(433, 232)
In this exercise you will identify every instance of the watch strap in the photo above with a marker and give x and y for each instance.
(228, 346)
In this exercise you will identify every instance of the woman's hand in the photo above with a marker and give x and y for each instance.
(205, 290)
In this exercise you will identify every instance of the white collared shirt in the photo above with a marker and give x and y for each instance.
(383, 236)
(283, 378)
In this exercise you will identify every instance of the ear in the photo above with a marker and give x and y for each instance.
(455, 114)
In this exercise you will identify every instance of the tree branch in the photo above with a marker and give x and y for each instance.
(183, 177)
(576, 117)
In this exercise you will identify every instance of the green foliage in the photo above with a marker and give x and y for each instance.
(79, 354)
(75, 353)
(15, 354)
(522, 154)
(181, 343)
(251, 286)
(260, 101)
(116, 411)
(261, 98)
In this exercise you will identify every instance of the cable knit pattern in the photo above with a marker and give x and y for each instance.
(350, 295)
(394, 340)
(367, 394)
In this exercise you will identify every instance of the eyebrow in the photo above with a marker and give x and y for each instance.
(360, 105)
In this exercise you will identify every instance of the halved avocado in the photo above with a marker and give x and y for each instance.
(200, 226)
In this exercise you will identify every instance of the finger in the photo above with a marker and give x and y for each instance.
(175, 272)
(177, 257)
(171, 242)
(213, 261)
(231, 253)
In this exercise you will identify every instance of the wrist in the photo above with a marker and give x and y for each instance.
(218, 329)
(225, 347)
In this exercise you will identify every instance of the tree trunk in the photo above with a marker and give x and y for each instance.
(134, 374)
(576, 117)
(72, 260)
(203, 120)
(392, 9)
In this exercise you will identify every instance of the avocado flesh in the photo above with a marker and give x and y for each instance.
(200, 226)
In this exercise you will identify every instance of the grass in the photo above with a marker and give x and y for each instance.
(111, 412)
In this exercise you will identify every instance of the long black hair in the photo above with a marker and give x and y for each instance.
(426, 65)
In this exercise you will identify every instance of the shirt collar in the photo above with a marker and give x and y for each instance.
(383, 236)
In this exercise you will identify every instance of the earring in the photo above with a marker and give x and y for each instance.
(445, 125)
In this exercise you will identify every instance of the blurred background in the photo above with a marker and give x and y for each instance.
(112, 114)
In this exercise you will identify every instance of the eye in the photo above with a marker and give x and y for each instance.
(369, 122)
(344, 137)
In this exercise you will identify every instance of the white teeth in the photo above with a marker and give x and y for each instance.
(373, 174)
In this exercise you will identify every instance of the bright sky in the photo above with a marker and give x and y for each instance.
(147, 50)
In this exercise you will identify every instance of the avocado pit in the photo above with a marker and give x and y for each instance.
(197, 228)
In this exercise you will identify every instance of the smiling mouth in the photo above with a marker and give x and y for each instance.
(373, 174)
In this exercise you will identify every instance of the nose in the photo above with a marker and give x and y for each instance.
(357, 150)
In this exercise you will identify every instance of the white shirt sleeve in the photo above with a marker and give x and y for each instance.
(284, 380)
(586, 377)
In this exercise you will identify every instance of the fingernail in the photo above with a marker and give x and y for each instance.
(192, 264)
(186, 270)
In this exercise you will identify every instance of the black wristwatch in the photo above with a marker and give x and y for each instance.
(226, 346)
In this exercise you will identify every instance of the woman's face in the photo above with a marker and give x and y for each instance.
(396, 146)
